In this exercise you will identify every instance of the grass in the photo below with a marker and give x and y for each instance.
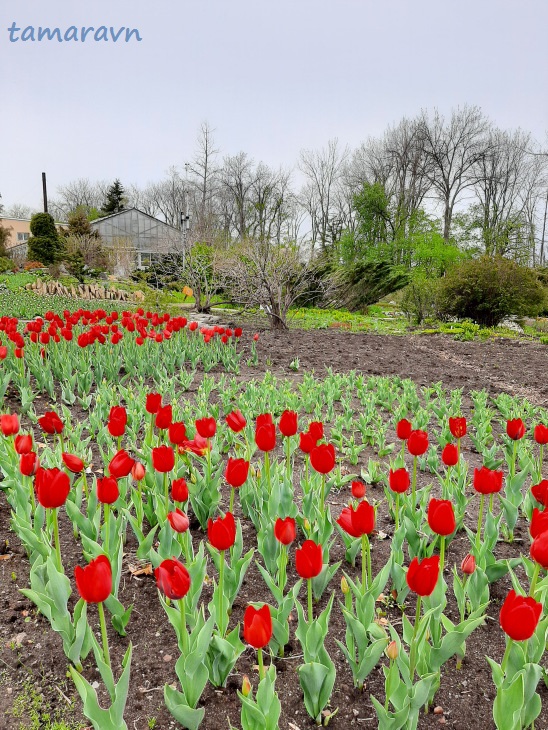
(33, 713)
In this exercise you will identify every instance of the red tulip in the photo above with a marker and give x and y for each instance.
(173, 579)
(539, 522)
(315, 429)
(153, 403)
(163, 458)
(404, 429)
(468, 565)
(519, 616)
(235, 421)
(398, 480)
(358, 490)
(178, 520)
(422, 577)
(107, 490)
(52, 487)
(73, 463)
(3, 352)
(515, 428)
(306, 443)
(265, 437)
(322, 458)
(117, 421)
(28, 464)
(417, 443)
(164, 417)
(457, 426)
(177, 432)
(539, 549)
(264, 419)
(179, 490)
(9, 424)
(541, 434)
(285, 531)
(121, 464)
(309, 560)
(487, 481)
(138, 471)
(540, 492)
(206, 427)
(441, 517)
(236, 472)
(450, 455)
(359, 521)
(222, 532)
(257, 626)
(288, 423)
(23, 444)
(94, 582)
(51, 423)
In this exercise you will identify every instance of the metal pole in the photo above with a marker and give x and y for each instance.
(45, 192)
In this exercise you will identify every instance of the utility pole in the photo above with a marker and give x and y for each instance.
(185, 217)
(45, 192)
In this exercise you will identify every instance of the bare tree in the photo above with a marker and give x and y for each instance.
(19, 210)
(204, 181)
(453, 149)
(267, 275)
(78, 193)
(322, 170)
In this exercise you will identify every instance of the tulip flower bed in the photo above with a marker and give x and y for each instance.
(218, 550)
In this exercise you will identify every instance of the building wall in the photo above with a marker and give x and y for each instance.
(19, 231)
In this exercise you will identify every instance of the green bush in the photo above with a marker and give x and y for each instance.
(420, 299)
(6, 264)
(486, 290)
(44, 245)
(355, 286)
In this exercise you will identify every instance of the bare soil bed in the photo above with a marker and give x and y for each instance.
(31, 654)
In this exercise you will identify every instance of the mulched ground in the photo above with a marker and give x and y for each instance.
(31, 654)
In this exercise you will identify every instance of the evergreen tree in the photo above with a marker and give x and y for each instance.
(44, 244)
(115, 200)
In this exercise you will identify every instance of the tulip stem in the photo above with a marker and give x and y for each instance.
(540, 460)
(150, 430)
(107, 527)
(282, 571)
(288, 459)
(506, 654)
(310, 612)
(397, 511)
(166, 492)
(513, 462)
(231, 505)
(480, 520)
(221, 617)
(414, 484)
(104, 633)
(413, 652)
(56, 539)
(85, 483)
(442, 554)
(534, 580)
(267, 471)
(366, 563)
(261, 665)
(322, 495)
(184, 635)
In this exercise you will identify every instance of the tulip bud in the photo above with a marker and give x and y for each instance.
(392, 650)
(246, 686)
(345, 588)
(138, 471)
(306, 525)
(468, 565)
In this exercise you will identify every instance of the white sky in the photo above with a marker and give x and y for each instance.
(270, 77)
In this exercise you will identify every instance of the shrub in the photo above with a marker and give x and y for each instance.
(6, 264)
(420, 299)
(355, 286)
(29, 265)
(486, 290)
(44, 244)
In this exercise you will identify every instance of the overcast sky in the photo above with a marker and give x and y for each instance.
(270, 77)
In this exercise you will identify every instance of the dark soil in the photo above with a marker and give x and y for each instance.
(31, 653)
